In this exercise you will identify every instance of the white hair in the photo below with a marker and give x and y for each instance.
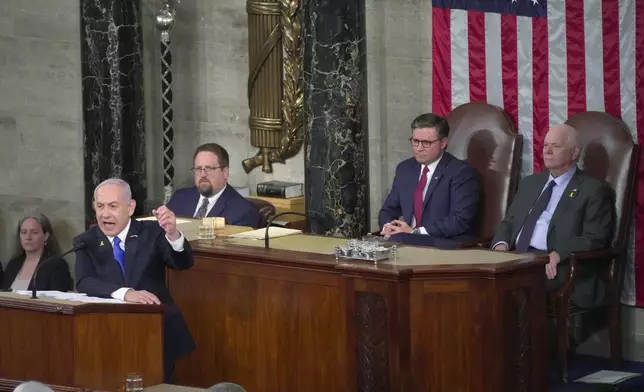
(226, 387)
(572, 140)
(32, 386)
(125, 187)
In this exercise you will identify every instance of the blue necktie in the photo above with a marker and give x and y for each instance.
(119, 254)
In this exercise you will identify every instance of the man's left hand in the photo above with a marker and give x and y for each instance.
(168, 222)
(551, 267)
(400, 226)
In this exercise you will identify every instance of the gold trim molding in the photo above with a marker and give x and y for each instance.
(275, 84)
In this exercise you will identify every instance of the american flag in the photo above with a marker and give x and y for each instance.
(544, 62)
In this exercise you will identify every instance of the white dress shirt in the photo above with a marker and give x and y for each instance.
(211, 201)
(176, 245)
(432, 169)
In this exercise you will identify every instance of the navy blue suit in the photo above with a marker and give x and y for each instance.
(450, 205)
(231, 205)
(147, 254)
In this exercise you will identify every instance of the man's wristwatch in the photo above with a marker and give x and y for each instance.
(416, 231)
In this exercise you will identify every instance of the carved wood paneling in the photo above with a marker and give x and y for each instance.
(371, 342)
(518, 344)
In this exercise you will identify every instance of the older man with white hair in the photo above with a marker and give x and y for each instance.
(560, 211)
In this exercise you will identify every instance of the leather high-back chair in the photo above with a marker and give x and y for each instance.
(484, 136)
(608, 153)
(265, 209)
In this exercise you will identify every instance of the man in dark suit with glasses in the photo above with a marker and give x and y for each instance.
(212, 196)
(434, 196)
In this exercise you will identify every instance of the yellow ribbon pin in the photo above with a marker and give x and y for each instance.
(102, 243)
(571, 194)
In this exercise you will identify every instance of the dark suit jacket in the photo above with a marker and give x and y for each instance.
(147, 254)
(583, 220)
(230, 205)
(54, 275)
(450, 205)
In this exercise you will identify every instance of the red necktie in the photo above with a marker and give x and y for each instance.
(418, 197)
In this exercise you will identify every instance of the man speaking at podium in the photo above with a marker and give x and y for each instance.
(126, 259)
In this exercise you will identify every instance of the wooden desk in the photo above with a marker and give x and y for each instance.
(70, 343)
(433, 320)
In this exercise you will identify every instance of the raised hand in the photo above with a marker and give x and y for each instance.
(168, 222)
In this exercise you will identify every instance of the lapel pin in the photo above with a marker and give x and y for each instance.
(134, 236)
(102, 243)
(573, 193)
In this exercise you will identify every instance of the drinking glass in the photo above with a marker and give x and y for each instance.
(134, 383)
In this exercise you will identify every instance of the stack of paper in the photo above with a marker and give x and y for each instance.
(69, 296)
(607, 377)
(260, 234)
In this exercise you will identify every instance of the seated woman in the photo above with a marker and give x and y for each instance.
(35, 242)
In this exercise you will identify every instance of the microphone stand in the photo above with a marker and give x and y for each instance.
(270, 222)
(34, 290)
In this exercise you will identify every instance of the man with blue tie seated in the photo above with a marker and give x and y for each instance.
(212, 195)
(127, 259)
(434, 196)
(558, 212)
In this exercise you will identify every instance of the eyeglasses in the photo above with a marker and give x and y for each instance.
(207, 169)
(425, 143)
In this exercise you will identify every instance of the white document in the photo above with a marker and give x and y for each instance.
(152, 218)
(52, 294)
(96, 300)
(607, 377)
(260, 234)
(69, 296)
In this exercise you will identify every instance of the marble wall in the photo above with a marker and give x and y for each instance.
(113, 101)
(335, 117)
(40, 116)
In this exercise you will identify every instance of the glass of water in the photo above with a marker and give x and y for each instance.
(134, 383)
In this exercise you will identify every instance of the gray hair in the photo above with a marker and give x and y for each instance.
(125, 187)
(32, 386)
(226, 387)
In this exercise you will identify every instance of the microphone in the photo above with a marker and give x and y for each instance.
(80, 246)
(270, 222)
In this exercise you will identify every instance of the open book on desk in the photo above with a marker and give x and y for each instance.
(70, 296)
(260, 234)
